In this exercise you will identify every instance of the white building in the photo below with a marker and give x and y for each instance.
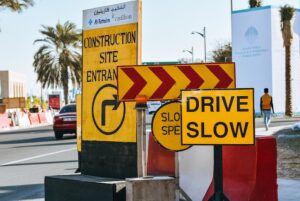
(259, 54)
(12, 85)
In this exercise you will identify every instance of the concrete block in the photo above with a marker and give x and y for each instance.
(84, 188)
(151, 189)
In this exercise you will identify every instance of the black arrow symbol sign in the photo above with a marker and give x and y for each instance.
(114, 102)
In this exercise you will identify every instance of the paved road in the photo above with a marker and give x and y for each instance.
(27, 156)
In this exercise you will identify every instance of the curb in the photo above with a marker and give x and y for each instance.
(17, 128)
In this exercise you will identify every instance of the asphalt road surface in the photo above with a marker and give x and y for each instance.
(27, 156)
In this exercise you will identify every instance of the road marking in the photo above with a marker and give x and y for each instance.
(38, 156)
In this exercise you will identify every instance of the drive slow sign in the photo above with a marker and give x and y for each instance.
(218, 117)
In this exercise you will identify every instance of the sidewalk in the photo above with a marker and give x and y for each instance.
(288, 190)
(18, 128)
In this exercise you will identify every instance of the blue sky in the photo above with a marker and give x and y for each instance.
(167, 25)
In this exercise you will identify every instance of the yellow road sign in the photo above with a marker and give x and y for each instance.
(218, 117)
(78, 122)
(164, 82)
(104, 118)
(166, 127)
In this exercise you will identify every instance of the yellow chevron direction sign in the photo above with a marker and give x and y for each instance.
(217, 117)
(164, 82)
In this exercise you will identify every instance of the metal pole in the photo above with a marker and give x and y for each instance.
(141, 139)
(204, 36)
(218, 175)
(177, 176)
(192, 52)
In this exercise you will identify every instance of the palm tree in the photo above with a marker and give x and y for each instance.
(255, 3)
(16, 5)
(287, 13)
(58, 60)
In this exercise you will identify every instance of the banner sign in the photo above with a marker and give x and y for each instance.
(54, 101)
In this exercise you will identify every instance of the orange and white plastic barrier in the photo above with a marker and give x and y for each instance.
(249, 172)
(4, 121)
(34, 118)
(23, 119)
(160, 161)
(42, 118)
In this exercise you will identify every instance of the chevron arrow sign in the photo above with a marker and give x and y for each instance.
(164, 82)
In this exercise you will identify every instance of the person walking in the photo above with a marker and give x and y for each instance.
(266, 104)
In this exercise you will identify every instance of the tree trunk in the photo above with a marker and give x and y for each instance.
(288, 78)
(66, 92)
(65, 83)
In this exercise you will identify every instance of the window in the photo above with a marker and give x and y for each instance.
(68, 108)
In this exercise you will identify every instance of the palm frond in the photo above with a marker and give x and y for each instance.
(16, 5)
(287, 12)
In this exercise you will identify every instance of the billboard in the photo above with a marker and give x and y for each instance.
(259, 54)
(12, 103)
(54, 101)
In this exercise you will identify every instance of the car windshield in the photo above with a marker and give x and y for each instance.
(68, 108)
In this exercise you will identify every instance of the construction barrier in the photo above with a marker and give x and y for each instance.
(266, 171)
(42, 117)
(23, 119)
(196, 170)
(4, 121)
(34, 118)
(49, 116)
(249, 172)
(160, 161)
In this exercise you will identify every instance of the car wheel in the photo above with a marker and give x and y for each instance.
(58, 135)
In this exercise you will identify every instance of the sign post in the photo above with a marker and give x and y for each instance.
(218, 117)
(141, 107)
(219, 194)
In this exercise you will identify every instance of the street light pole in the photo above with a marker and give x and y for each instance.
(203, 35)
(191, 52)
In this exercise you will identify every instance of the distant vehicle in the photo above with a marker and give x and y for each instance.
(65, 121)
(153, 106)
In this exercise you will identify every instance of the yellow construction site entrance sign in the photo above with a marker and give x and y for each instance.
(218, 117)
(110, 38)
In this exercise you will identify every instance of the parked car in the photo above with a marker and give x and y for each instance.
(65, 121)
